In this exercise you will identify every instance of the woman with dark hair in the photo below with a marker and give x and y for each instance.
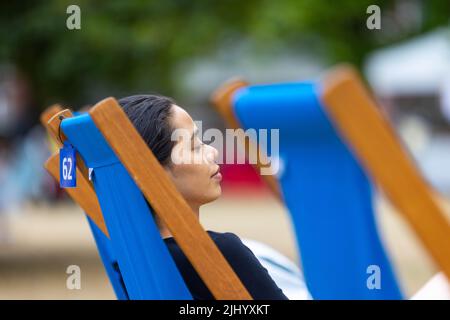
(156, 118)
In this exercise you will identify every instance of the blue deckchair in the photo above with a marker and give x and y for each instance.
(145, 264)
(328, 195)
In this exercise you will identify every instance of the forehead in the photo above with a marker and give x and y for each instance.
(181, 119)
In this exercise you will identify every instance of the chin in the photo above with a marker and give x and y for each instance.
(218, 192)
(214, 195)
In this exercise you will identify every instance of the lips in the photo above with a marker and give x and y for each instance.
(216, 173)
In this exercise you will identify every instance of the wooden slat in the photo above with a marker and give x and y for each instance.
(53, 124)
(83, 194)
(374, 142)
(167, 202)
(48, 113)
(222, 100)
(45, 116)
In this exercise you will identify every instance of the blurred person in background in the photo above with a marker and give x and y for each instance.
(22, 146)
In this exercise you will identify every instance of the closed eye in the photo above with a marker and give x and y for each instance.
(198, 145)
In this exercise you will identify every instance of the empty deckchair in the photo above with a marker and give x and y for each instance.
(146, 266)
(328, 195)
(369, 136)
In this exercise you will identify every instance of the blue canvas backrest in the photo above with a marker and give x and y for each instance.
(106, 254)
(105, 250)
(328, 195)
(147, 269)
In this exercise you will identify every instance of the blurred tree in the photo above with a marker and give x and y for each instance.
(134, 45)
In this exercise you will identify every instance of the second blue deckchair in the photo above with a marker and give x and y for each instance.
(328, 195)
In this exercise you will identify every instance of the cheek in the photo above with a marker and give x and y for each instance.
(195, 184)
(190, 178)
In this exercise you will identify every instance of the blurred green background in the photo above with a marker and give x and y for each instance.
(139, 46)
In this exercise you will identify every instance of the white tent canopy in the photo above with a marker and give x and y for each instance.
(419, 66)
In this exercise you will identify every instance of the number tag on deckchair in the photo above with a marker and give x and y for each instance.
(67, 166)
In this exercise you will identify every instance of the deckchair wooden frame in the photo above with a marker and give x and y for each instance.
(221, 99)
(170, 207)
(370, 136)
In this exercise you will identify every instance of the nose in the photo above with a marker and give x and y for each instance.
(212, 154)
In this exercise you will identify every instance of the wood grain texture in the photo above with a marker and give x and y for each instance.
(167, 202)
(48, 113)
(45, 116)
(83, 194)
(368, 133)
(222, 100)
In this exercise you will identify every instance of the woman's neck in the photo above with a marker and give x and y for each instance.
(164, 231)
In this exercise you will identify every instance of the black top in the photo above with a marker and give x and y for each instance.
(244, 263)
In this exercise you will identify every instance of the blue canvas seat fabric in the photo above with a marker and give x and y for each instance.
(146, 266)
(109, 261)
(328, 195)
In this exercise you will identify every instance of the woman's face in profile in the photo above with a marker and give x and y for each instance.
(197, 178)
